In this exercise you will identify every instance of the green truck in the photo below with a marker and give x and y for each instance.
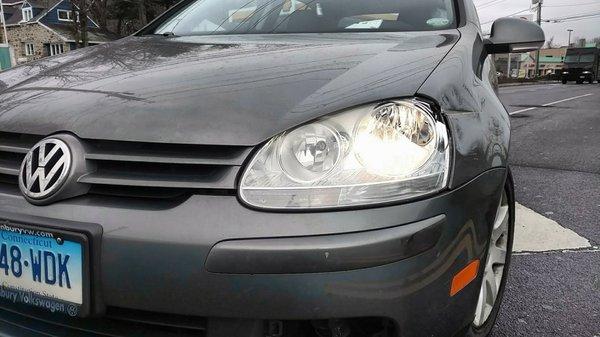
(581, 65)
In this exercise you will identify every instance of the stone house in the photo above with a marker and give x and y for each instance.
(40, 28)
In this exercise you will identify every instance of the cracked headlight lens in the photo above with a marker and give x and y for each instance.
(372, 154)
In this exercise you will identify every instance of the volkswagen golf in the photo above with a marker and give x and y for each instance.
(262, 168)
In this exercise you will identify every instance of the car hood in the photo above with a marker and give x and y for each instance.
(234, 90)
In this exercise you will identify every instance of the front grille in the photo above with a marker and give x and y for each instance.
(13, 148)
(116, 323)
(136, 169)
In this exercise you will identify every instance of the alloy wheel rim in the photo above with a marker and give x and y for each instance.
(494, 266)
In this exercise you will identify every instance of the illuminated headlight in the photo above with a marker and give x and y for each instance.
(565, 73)
(372, 154)
(586, 72)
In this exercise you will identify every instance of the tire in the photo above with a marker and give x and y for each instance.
(486, 328)
(591, 81)
(579, 82)
(564, 81)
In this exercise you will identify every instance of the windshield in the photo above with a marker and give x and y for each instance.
(580, 58)
(587, 58)
(205, 17)
(573, 58)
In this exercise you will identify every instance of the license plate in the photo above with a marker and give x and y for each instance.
(41, 268)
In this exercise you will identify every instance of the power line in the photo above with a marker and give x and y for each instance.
(572, 17)
(490, 4)
(575, 15)
(571, 5)
(576, 19)
(485, 3)
(515, 13)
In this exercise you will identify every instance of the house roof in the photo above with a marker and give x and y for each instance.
(94, 35)
(17, 16)
(9, 10)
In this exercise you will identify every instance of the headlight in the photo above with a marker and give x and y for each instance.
(586, 72)
(366, 155)
(565, 73)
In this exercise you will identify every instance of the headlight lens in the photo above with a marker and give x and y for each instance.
(367, 155)
(586, 72)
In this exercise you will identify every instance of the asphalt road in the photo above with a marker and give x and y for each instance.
(555, 158)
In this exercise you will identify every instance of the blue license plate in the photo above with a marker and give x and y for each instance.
(41, 268)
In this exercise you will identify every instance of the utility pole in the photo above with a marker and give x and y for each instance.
(539, 22)
(508, 62)
(570, 31)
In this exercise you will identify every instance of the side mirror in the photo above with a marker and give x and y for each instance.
(511, 35)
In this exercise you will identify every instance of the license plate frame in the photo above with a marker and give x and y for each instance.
(52, 304)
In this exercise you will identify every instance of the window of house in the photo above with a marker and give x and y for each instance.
(66, 15)
(28, 49)
(56, 48)
(27, 13)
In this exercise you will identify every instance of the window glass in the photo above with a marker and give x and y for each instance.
(56, 48)
(587, 58)
(573, 58)
(27, 14)
(204, 17)
(64, 15)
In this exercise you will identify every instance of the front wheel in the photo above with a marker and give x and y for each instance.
(564, 81)
(497, 264)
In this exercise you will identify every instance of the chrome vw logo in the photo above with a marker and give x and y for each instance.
(45, 168)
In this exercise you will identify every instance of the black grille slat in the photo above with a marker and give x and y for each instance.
(9, 179)
(9, 167)
(223, 179)
(117, 323)
(157, 319)
(11, 159)
(14, 148)
(17, 143)
(142, 169)
(184, 154)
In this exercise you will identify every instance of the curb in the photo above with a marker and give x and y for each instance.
(526, 83)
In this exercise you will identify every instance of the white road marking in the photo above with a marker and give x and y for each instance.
(519, 111)
(549, 104)
(536, 233)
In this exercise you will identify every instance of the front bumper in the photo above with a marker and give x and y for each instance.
(155, 257)
(577, 76)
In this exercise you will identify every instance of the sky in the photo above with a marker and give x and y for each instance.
(589, 28)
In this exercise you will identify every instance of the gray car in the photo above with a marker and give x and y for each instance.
(262, 168)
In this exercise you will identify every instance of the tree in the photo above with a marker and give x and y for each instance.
(80, 10)
(550, 43)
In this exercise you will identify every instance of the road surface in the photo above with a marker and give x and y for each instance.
(555, 158)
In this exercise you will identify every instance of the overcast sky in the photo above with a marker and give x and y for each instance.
(588, 28)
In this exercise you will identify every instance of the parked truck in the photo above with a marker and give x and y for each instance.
(581, 65)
